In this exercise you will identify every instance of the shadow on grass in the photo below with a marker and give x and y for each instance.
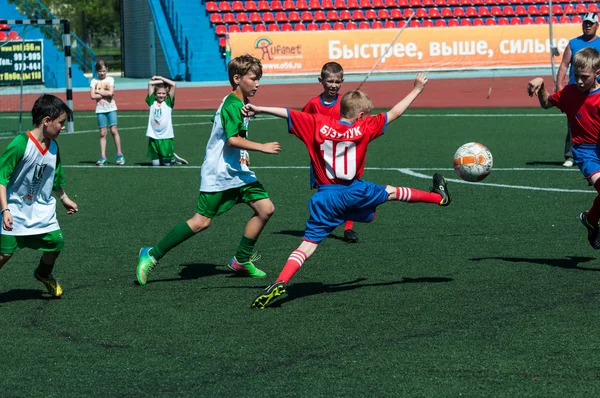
(544, 163)
(23, 294)
(298, 290)
(300, 234)
(196, 271)
(570, 262)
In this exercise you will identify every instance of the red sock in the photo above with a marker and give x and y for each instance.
(348, 225)
(293, 264)
(593, 215)
(412, 195)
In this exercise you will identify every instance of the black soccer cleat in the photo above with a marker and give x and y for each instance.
(439, 186)
(593, 231)
(273, 291)
(350, 236)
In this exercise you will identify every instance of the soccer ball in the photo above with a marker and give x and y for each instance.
(473, 162)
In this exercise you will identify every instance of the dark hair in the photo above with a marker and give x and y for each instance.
(100, 64)
(242, 65)
(48, 105)
(331, 68)
(162, 85)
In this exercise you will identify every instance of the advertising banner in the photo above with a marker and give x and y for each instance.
(289, 53)
(21, 62)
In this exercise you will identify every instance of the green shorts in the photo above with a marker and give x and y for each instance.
(160, 149)
(48, 242)
(212, 204)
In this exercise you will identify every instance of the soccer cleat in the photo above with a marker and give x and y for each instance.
(593, 231)
(568, 163)
(248, 268)
(120, 160)
(179, 159)
(101, 162)
(145, 265)
(51, 284)
(273, 291)
(439, 186)
(350, 236)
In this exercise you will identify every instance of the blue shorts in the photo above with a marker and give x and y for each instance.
(107, 119)
(587, 158)
(332, 205)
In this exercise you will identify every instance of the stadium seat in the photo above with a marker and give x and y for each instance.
(447, 12)
(544, 9)
(234, 29)
(247, 28)
(490, 22)
(421, 13)
(299, 27)
(332, 15)
(229, 18)
(520, 11)
(580, 9)
(340, 5)
(220, 30)
(364, 4)
(294, 16)
(312, 26)
(440, 23)
(502, 2)
(358, 15)
(276, 5)
(255, 17)
(532, 10)
(390, 25)
(325, 26)
(327, 5)
(306, 16)
(466, 22)
(242, 17)
(237, 6)
(287, 27)
(484, 12)
(395, 14)
(453, 22)
(471, 12)
(273, 27)
(288, 5)
(345, 15)
(268, 17)
(459, 12)
(251, 5)
(408, 12)
(376, 25)
(4, 27)
(314, 5)
(415, 23)
(222, 42)
(576, 19)
(477, 3)
(428, 23)
(320, 16)
(428, 3)
(453, 3)
(364, 25)
(569, 9)
(281, 17)
(440, 3)
(415, 3)
(434, 13)
(378, 4)
(465, 3)
(403, 3)
(351, 25)
(212, 6)
(260, 28)
(593, 7)
(352, 4)
(496, 11)
(224, 6)
(527, 21)
(401, 24)
(540, 20)
(565, 19)
(554, 20)
(508, 11)
(502, 21)
(371, 15)
(478, 22)
(557, 9)
(302, 5)
(390, 4)
(263, 6)
(338, 26)
(515, 21)
(216, 19)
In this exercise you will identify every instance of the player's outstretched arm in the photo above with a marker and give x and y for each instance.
(250, 110)
(536, 87)
(236, 141)
(402, 106)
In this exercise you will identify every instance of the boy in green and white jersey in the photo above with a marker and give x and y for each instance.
(30, 170)
(161, 99)
(225, 178)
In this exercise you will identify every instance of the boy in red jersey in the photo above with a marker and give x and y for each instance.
(337, 150)
(581, 103)
(328, 103)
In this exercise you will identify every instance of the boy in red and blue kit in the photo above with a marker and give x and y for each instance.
(328, 103)
(337, 150)
(581, 103)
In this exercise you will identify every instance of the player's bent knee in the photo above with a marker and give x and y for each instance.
(199, 223)
(4, 259)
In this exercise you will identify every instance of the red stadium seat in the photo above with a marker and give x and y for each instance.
(390, 4)
(320, 16)
(358, 15)
(273, 27)
(276, 5)
(408, 12)
(453, 22)
(554, 20)
(580, 9)
(287, 27)
(365, 4)
(353, 4)
(220, 30)
(527, 21)
(327, 5)
(301, 5)
(569, 9)
(339, 26)
(255, 17)
(340, 5)
(502, 2)
(371, 15)
(376, 25)
(465, 22)
(401, 24)
(268, 17)
(216, 19)
(390, 25)
(288, 5)
(459, 12)
(422, 13)
(477, 3)
(447, 12)
(364, 25)
(294, 16)
(263, 6)
(428, 3)
(520, 11)
(478, 22)
(222, 42)
(453, 3)
(351, 25)
(471, 12)
(345, 15)
(576, 19)
(212, 6)
(333, 16)
(496, 11)
(4, 27)
(307, 16)
(557, 9)
(502, 21)
(544, 9)
(415, 23)
(260, 28)
(403, 3)
(484, 12)
(395, 14)
(465, 3)
(428, 23)
(229, 18)
(325, 26)
(508, 11)
(540, 21)
(242, 18)
(593, 7)
(440, 23)
(378, 4)
(515, 21)
(312, 26)
(251, 5)
(237, 6)
(434, 13)
(533, 10)
(415, 3)
(281, 17)
(224, 6)
(299, 27)
(247, 28)
(234, 29)
(565, 19)
(314, 5)
(490, 22)
(441, 3)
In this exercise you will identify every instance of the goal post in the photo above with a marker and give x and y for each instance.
(22, 70)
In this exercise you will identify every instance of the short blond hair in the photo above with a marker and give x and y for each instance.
(354, 102)
(243, 65)
(586, 59)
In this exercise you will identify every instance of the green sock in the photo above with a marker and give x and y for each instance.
(245, 249)
(177, 235)
(44, 270)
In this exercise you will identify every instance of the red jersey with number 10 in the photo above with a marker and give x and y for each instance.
(337, 149)
(316, 105)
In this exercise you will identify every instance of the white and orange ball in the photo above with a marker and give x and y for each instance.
(473, 162)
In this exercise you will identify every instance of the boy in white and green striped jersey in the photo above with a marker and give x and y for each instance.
(30, 170)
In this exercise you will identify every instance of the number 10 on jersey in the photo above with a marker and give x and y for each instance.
(340, 159)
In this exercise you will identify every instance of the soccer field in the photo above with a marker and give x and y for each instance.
(495, 295)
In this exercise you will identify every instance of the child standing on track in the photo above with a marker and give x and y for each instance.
(225, 178)
(337, 150)
(161, 99)
(581, 103)
(30, 170)
(328, 103)
(102, 90)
